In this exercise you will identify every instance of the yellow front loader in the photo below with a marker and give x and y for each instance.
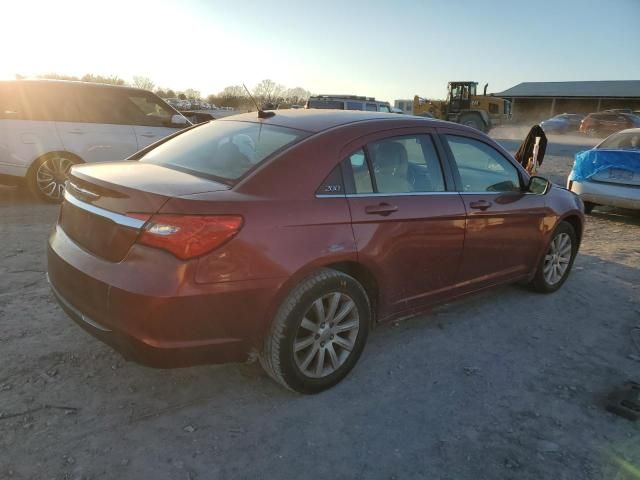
(464, 106)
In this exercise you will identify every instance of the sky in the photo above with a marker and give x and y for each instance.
(387, 49)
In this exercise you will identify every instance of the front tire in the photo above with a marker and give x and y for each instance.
(318, 333)
(473, 121)
(556, 263)
(48, 174)
(588, 207)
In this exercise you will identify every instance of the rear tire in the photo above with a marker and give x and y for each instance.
(308, 347)
(48, 174)
(555, 265)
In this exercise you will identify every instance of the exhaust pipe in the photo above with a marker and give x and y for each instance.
(485, 89)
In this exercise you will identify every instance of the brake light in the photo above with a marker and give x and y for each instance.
(187, 236)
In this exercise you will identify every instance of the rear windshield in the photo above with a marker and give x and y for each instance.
(622, 141)
(224, 150)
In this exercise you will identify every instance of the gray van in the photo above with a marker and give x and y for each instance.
(348, 102)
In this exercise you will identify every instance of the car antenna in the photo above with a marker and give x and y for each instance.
(261, 113)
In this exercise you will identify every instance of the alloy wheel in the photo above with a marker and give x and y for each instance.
(557, 259)
(52, 175)
(327, 335)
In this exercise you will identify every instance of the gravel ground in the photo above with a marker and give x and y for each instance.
(507, 384)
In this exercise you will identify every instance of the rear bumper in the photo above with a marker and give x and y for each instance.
(609, 194)
(157, 319)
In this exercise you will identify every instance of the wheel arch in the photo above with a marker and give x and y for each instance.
(366, 278)
(576, 222)
(349, 266)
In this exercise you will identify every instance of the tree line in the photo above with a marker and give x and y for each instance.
(267, 93)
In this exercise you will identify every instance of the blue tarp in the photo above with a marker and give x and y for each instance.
(591, 162)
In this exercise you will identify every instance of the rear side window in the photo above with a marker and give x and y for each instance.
(223, 150)
(361, 176)
(482, 168)
(354, 106)
(32, 101)
(10, 106)
(398, 165)
(406, 164)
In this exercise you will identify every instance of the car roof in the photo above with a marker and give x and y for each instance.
(317, 120)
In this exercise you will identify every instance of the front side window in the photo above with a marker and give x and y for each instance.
(385, 108)
(482, 168)
(223, 150)
(372, 107)
(406, 164)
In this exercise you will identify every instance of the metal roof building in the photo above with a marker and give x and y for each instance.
(538, 100)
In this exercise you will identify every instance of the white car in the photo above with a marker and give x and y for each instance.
(609, 174)
(46, 126)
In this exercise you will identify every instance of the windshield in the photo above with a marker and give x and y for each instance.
(223, 150)
(622, 141)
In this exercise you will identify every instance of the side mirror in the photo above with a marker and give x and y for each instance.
(179, 121)
(538, 185)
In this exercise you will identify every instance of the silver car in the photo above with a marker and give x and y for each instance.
(614, 178)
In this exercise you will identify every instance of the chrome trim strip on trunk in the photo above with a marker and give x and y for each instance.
(118, 218)
(82, 191)
(75, 311)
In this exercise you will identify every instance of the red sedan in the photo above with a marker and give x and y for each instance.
(290, 237)
(605, 123)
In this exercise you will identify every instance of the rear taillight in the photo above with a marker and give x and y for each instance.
(187, 236)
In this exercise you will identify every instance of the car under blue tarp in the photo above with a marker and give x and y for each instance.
(591, 162)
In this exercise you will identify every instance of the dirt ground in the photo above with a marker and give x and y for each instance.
(508, 384)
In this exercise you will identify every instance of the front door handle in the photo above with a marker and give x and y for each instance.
(77, 132)
(148, 135)
(383, 209)
(480, 204)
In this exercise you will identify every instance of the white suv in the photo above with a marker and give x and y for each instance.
(46, 126)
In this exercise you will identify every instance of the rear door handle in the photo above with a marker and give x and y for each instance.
(480, 204)
(383, 209)
(77, 132)
(147, 135)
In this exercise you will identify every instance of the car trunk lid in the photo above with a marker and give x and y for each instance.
(100, 198)
(619, 176)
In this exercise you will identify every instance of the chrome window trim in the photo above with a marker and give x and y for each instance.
(118, 218)
(421, 194)
(405, 194)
